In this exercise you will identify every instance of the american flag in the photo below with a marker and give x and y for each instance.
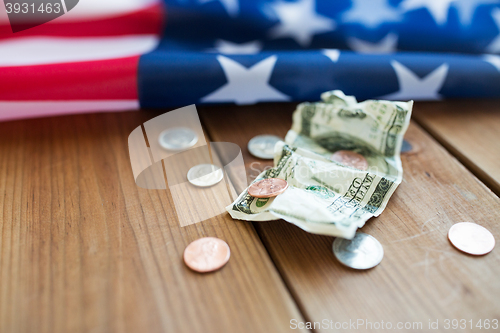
(83, 61)
(122, 54)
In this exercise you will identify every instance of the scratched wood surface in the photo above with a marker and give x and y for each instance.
(83, 249)
(422, 277)
(470, 129)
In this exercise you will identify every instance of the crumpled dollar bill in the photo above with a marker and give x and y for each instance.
(324, 196)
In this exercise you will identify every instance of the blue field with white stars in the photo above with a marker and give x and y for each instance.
(244, 52)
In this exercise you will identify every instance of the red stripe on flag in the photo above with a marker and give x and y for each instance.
(91, 80)
(146, 21)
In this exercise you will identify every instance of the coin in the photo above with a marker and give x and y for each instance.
(206, 254)
(351, 159)
(406, 147)
(268, 188)
(471, 238)
(262, 146)
(204, 175)
(361, 252)
(177, 138)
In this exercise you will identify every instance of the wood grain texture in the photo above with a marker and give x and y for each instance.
(83, 249)
(422, 277)
(470, 129)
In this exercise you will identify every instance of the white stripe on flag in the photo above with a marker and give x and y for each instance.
(51, 50)
(21, 109)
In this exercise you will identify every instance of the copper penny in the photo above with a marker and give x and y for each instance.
(471, 238)
(351, 159)
(268, 188)
(206, 254)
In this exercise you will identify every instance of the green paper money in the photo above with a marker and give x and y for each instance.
(324, 196)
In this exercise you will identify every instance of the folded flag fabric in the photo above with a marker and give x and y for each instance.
(84, 61)
(105, 56)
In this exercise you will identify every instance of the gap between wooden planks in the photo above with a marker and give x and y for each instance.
(83, 249)
(470, 129)
(422, 277)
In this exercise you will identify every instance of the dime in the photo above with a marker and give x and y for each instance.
(351, 159)
(177, 138)
(471, 238)
(206, 254)
(262, 146)
(268, 188)
(362, 252)
(204, 175)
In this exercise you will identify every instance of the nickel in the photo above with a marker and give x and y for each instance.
(206, 254)
(178, 138)
(351, 159)
(205, 175)
(262, 146)
(471, 238)
(268, 188)
(361, 252)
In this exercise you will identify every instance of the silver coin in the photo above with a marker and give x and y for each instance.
(262, 146)
(177, 138)
(361, 252)
(204, 175)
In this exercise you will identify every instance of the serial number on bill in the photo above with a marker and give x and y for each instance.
(484, 324)
(31, 8)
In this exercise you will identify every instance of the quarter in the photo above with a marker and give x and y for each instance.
(262, 146)
(178, 138)
(205, 175)
(361, 252)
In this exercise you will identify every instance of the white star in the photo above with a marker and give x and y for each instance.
(333, 54)
(467, 8)
(226, 47)
(494, 46)
(492, 59)
(385, 45)
(300, 21)
(246, 85)
(371, 13)
(413, 87)
(437, 8)
(231, 6)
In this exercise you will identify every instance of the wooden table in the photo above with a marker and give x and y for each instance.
(83, 249)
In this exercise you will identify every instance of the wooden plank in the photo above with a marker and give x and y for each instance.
(83, 249)
(470, 130)
(422, 277)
